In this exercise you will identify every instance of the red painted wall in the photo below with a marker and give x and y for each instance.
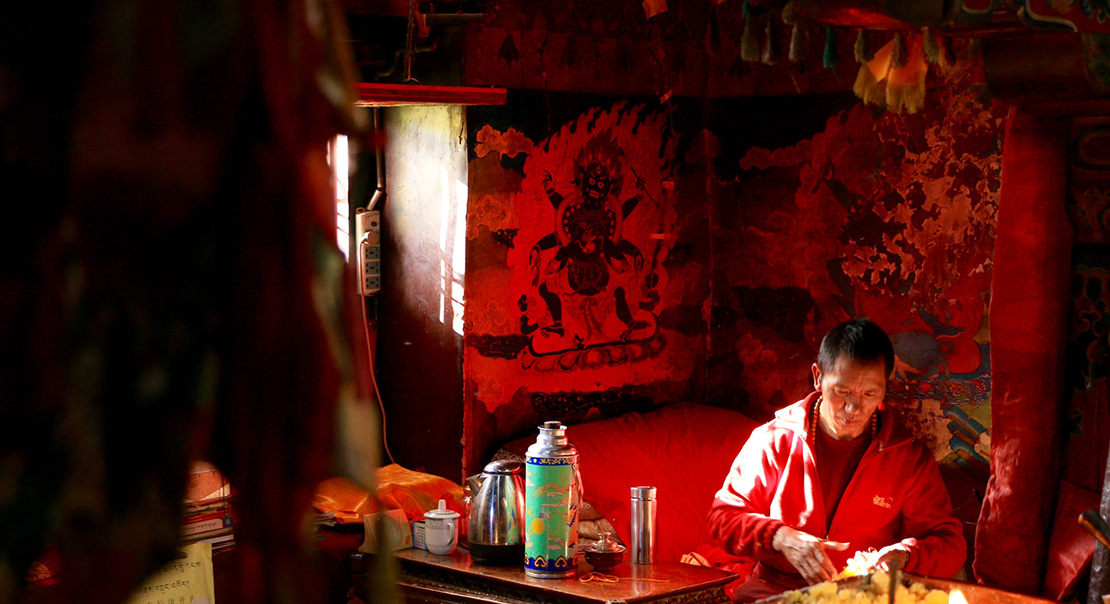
(747, 227)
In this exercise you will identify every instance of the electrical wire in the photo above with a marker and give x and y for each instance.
(370, 354)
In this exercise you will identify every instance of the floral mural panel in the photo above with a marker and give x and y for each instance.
(867, 213)
(1087, 352)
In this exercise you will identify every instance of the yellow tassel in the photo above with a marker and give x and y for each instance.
(899, 55)
(870, 85)
(905, 98)
(932, 50)
(947, 57)
(905, 86)
(797, 52)
(938, 50)
(869, 90)
(863, 49)
(749, 47)
(770, 45)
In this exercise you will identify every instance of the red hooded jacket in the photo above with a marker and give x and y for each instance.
(896, 495)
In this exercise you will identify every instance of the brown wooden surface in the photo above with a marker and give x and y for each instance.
(977, 594)
(427, 577)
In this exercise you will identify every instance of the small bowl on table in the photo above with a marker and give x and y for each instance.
(605, 554)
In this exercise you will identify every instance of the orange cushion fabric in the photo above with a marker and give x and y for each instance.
(397, 487)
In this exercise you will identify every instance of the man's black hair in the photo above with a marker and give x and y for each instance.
(858, 340)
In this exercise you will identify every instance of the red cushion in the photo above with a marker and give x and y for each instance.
(683, 450)
(1070, 548)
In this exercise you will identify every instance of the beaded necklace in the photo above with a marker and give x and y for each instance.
(816, 412)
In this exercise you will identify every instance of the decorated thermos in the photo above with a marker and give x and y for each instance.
(552, 495)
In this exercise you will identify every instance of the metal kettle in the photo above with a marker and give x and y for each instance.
(495, 532)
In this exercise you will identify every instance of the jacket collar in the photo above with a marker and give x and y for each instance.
(797, 417)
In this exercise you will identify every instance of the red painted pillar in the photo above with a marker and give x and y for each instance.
(1028, 320)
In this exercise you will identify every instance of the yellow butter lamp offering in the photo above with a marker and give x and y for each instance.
(873, 591)
(862, 563)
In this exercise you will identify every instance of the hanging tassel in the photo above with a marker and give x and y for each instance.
(712, 36)
(831, 56)
(869, 90)
(938, 50)
(870, 85)
(932, 50)
(947, 57)
(770, 44)
(899, 55)
(797, 52)
(749, 47)
(789, 13)
(905, 87)
(863, 48)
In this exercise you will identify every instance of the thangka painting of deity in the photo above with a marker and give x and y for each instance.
(587, 271)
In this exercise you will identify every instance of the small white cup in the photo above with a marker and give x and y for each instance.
(441, 533)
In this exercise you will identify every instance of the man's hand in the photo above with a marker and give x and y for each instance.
(807, 553)
(890, 556)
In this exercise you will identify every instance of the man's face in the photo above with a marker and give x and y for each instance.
(852, 392)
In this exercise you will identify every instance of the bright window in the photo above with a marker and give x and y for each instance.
(339, 160)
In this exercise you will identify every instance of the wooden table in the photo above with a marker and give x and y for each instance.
(428, 578)
(971, 593)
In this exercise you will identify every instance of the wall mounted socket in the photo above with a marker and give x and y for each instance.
(367, 221)
(368, 235)
(372, 284)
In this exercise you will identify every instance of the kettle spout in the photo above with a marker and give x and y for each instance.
(475, 483)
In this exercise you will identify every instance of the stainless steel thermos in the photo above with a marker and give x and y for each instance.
(496, 515)
(553, 496)
(643, 525)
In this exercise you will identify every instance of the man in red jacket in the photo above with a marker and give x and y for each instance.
(835, 474)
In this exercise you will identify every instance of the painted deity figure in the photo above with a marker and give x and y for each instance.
(592, 260)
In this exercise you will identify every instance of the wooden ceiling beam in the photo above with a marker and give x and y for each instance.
(396, 95)
(939, 15)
